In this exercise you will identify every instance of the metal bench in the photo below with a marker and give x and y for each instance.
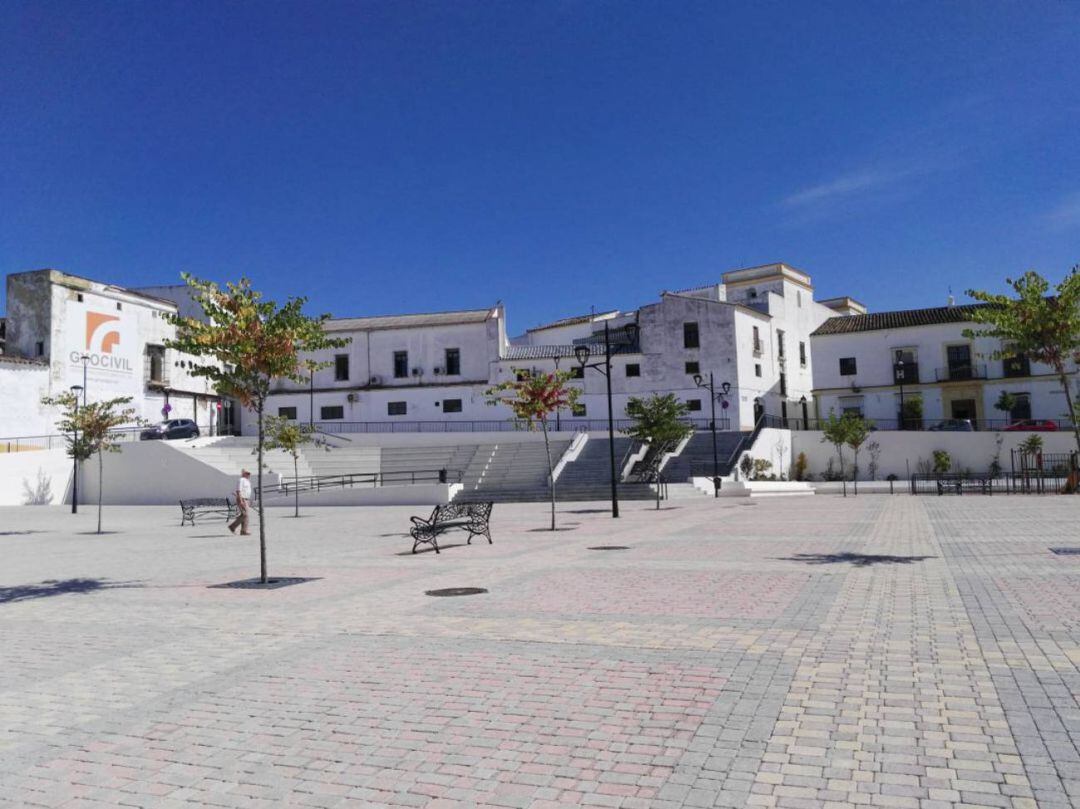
(981, 484)
(206, 506)
(471, 517)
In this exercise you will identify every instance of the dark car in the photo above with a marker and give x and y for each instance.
(173, 428)
(953, 426)
(1033, 425)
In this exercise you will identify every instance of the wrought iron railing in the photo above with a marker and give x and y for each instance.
(372, 480)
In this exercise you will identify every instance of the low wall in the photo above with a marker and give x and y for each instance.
(151, 473)
(38, 477)
(901, 451)
(417, 494)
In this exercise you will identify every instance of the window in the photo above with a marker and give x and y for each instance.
(453, 362)
(633, 369)
(155, 356)
(332, 412)
(287, 413)
(851, 404)
(757, 341)
(802, 354)
(798, 298)
(119, 306)
(39, 347)
(693, 368)
(690, 337)
(1022, 407)
(521, 374)
(79, 297)
(693, 405)
(959, 359)
(757, 369)
(848, 366)
(783, 384)
(1016, 365)
(577, 372)
(341, 367)
(780, 343)
(451, 406)
(396, 408)
(578, 409)
(401, 364)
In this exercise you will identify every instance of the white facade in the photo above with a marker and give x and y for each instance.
(22, 384)
(109, 339)
(956, 377)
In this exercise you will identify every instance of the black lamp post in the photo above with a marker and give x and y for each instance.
(74, 458)
(725, 388)
(311, 398)
(582, 353)
(898, 372)
(85, 358)
(805, 420)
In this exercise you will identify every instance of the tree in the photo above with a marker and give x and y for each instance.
(1006, 403)
(88, 430)
(533, 398)
(252, 341)
(658, 422)
(1042, 327)
(857, 431)
(288, 435)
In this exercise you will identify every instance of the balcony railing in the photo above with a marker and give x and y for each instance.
(906, 374)
(1015, 366)
(961, 372)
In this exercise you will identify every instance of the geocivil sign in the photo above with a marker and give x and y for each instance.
(106, 340)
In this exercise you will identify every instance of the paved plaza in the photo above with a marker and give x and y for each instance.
(803, 652)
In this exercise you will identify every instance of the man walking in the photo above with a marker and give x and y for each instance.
(243, 497)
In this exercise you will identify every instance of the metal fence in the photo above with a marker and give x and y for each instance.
(489, 426)
(59, 440)
(945, 425)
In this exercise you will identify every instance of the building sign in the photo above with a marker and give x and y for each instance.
(105, 343)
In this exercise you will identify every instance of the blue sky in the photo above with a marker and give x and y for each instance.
(413, 156)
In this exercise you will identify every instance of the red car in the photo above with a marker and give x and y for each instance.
(1033, 425)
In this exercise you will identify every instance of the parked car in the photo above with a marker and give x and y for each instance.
(1033, 425)
(168, 430)
(953, 426)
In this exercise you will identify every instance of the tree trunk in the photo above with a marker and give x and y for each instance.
(100, 483)
(855, 473)
(1069, 403)
(262, 519)
(551, 474)
(296, 484)
(843, 473)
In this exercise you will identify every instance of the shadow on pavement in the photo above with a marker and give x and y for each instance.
(18, 533)
(53, 587)
(429, 549)
(856, 559)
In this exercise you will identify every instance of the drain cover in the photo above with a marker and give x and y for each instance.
(456, 591)
(255, 584)
(1066, 551)
(609, 548)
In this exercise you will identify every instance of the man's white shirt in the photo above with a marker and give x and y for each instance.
(244, 487)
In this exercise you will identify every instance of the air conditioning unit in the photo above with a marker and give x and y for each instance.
(375, 380)
(438, 371)
(416, 372)
(352, 397)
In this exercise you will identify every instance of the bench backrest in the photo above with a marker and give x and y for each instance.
(207, 501)
(459, 511)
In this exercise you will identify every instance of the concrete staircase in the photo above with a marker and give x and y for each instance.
(453, 458)
(510, 472)
(697, 455)
(345, 460)
(589, 476)
(230, 455)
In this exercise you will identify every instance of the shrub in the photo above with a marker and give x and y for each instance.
(942, 461)
(801, 467)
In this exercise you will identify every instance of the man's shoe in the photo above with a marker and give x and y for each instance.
(232, 529)
(245, 533)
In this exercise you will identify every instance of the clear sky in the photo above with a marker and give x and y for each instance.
(413, 156)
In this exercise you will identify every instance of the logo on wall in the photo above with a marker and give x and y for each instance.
(99, 337)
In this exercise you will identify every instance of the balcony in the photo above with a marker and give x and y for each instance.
(1015, 366)
(906, 374)
(757, 348)
(961, 372)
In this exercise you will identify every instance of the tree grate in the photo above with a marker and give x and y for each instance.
(447, 592)
(609, 548)
(255, 584)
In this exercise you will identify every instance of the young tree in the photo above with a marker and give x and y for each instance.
(533, 399)
(658, 422)
(288, 435)
(88, 430)
(252, 341)
(1042, 327)
(835, 431)
(858, 430)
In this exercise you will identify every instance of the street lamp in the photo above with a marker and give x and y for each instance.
(582, 354)
(74, 457)
(805, 420)
(725, 388)
(85, 358)
(898, 373)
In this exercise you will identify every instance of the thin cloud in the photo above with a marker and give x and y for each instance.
(1066, 215)
(844, 188)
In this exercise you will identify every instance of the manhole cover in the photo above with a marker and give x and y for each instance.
(609, 548)
(456, 591)
(255, 584)
(1066, 551)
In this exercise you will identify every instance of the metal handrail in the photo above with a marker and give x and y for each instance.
(291, 485)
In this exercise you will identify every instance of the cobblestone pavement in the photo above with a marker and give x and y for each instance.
(803, 652)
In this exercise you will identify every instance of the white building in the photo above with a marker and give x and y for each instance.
(856, 369)
(750, 330)
(63, 330)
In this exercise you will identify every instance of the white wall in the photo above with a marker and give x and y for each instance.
(419, 494)
(152, 473)
(19, 476)
(21, 387)
(902, 450)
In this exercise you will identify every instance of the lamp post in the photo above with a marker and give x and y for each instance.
(311, 398)
(74, 458)
(85, 358)
(898, 372)
(582, 353)
(805, 420)
(725, 388)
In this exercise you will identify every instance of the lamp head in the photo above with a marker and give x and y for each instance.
(899, 357)
(582, 354)
(697, 380)
(726, 388)
(632, 332)
(802, 400)
(76, 388)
